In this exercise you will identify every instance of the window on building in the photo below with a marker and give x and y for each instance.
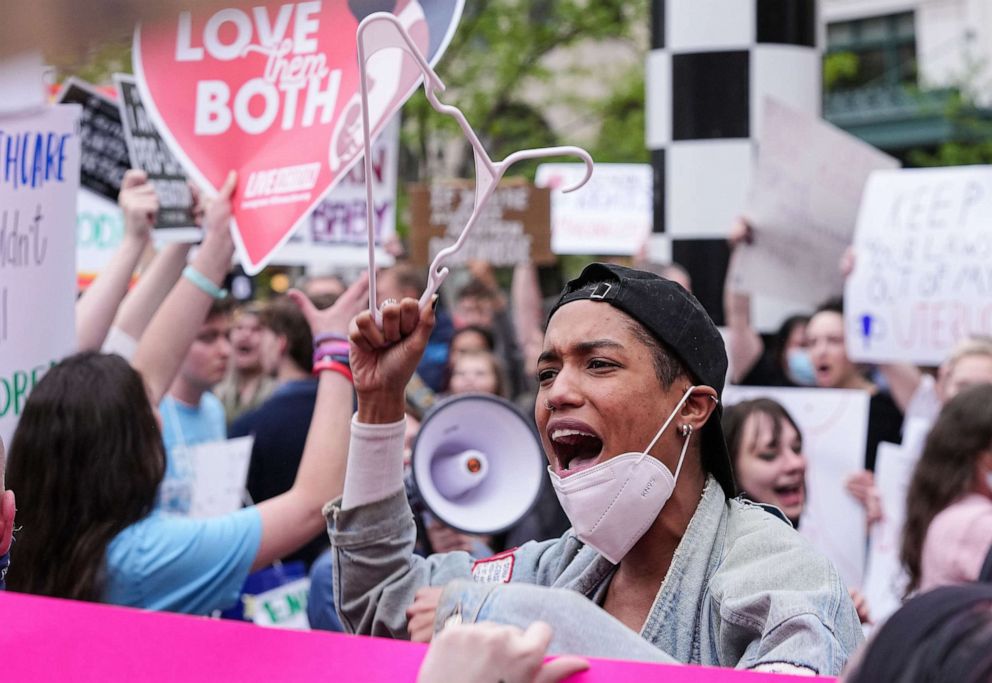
(880, 51)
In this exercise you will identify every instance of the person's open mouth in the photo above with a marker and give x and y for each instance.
(790, 495)
(575, 444)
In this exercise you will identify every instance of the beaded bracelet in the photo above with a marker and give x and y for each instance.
(333, 366)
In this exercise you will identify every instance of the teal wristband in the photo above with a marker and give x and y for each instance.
(203, 283)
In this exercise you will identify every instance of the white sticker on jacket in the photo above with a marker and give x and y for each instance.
(495, 569)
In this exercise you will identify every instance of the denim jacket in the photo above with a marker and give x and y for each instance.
(744, 590)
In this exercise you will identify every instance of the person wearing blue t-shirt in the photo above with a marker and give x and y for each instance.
(191, 415)
(88, 457)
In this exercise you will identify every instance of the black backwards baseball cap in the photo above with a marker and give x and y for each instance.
(680, 323)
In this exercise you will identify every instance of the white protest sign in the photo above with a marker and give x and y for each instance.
(99, 231)
(336, 232)
(922, 278)
(284, 606)
(802, 205)
(220, 472)
(39, 179)
(612, 213)
(885, 578)
(834, 426)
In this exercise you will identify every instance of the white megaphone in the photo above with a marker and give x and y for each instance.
(477, 464)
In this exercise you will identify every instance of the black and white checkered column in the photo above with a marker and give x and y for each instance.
(711, 65)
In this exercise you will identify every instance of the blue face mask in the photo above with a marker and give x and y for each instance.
(801, 368)
(4, 564)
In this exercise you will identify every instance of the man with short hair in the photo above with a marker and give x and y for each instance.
(281, 423)
(246, 385)
(191, 414)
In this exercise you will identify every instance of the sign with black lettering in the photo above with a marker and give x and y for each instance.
(150, 153)
(105, 158)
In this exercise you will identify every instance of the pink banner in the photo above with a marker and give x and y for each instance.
(43, 639)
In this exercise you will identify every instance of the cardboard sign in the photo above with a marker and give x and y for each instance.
(39, 180)
(514, 226)
(802, 205)
(922, 278)
(611, 214)
(220, 473)
(49, 637)
(336, 234)
(150, 153)
(283, 607)
(885, 577)
(272, 91)
(834, 426)
(105, 158)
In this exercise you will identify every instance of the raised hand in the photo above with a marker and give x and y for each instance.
(383, 360)
(334, 320)
(139, 204)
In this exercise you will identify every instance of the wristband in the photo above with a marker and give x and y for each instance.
(342, 358)
(328, 336)
(333, 366)
(203, 283)
(336, 347)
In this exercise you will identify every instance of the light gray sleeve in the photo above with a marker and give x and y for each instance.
(376, 572)
(580, 626)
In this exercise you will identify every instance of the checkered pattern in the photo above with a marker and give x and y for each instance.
(711, 65)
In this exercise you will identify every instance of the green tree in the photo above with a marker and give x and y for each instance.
(972, 141)
(500, 50)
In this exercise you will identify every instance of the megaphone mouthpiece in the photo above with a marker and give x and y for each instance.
(457, 474)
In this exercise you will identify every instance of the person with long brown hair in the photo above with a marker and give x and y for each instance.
(87, 461)
(948, 530)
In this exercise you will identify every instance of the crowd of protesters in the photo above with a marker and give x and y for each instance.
(622, 377)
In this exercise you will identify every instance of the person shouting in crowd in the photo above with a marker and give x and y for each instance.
(87, 460)
(7, 510)
(947, 535)
(247, 384)
(766, 448)
(661, 562)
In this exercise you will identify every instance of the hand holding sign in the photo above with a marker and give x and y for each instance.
(139, 204)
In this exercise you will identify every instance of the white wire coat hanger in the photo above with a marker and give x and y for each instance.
(380, 31)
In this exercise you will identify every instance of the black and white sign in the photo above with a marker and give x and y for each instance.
(105, 157)
(150, 153)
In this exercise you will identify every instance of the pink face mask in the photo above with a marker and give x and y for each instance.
(614, 503)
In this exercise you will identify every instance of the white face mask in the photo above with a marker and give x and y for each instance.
(614, 503)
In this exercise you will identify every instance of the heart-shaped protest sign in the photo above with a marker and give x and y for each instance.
(271, 90)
